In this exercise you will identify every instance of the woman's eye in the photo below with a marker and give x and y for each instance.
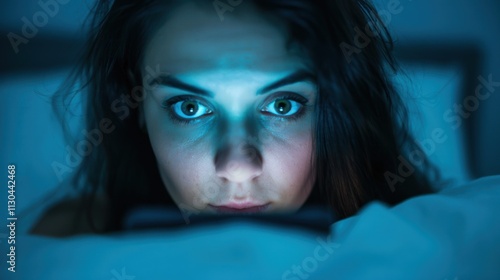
(283, 107)
(190, 109)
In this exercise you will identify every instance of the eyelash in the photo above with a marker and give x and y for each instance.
(289, 96)
(168, 104)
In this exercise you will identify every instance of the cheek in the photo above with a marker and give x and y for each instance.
(181, 156)
(183, 169)
(289, 164)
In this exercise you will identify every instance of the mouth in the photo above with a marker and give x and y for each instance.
(240, 208)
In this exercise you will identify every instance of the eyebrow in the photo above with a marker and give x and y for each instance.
(172, 81)
(294, 77)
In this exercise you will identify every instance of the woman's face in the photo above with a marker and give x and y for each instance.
(230, 120)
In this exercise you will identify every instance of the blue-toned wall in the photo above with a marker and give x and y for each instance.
(460, 22)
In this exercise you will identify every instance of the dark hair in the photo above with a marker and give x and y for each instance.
(361, 131)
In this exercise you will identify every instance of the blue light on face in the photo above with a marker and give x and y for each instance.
(239, 112)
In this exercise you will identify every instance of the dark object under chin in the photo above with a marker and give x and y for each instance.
(315, 218)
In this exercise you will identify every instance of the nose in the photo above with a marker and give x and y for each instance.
(238, 162)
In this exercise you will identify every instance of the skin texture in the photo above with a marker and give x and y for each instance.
(238, 151)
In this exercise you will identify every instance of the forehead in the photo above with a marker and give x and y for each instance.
(194, 39)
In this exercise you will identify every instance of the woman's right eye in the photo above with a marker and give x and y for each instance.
(187, 108)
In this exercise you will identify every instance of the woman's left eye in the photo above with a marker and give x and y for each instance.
(189, 109)
(283, 106)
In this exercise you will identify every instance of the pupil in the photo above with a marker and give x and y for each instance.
(189, 108)
(282, 106)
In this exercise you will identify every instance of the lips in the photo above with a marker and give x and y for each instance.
(240, 208)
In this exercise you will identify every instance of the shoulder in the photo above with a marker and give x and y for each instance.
(71, 217)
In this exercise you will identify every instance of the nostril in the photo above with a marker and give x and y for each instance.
(239, 171)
